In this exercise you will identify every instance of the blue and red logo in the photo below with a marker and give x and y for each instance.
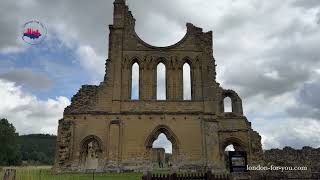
(34, 32)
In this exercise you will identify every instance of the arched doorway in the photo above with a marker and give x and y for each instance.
(91, 152)
(159, 153)
(231, 144)
(162, 152)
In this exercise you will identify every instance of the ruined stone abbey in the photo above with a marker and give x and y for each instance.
(106, 129)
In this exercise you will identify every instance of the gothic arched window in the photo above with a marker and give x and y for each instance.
(186, 82)
(161, 82)
(227, 103)
(135, 81)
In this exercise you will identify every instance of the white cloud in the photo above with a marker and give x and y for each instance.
(27, 113)
(91, 61)
(163, 142)
(230, 148)
(280, 132)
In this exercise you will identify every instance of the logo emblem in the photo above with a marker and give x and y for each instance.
(34, 32)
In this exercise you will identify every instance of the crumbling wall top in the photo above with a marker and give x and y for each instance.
(81, 101)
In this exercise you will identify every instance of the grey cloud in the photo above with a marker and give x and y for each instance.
(308, 100)
(78, 24)
(9, 27)
(302, 111)
(295, 27)
(309, 94)
(169, 27)
(35, 111)
(293, 58)
(271, 77)
(306, 4)
(84, 20)
(27, 77)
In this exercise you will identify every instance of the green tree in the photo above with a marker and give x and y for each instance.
(9, 149)
(37, 149)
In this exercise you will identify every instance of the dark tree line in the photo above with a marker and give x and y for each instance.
(9, 149)
(35, 149)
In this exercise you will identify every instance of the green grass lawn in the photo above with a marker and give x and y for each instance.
(38, 173)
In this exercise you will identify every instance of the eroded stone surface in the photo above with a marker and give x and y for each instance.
(63, 145)
(305, 157)
(80, 103)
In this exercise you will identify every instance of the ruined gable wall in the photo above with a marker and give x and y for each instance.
(122, 125)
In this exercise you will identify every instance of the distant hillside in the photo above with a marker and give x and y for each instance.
(37, 149)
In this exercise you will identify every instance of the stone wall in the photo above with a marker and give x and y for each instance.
(287, 157)
(307, 156)
(64, 145)
(81, 101)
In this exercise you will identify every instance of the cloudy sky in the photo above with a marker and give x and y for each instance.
(268, 51)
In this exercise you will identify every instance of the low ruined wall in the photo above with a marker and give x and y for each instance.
(289, 157)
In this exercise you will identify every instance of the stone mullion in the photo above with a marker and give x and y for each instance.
(169, 84)
(205, 73)
(126, 90)
(178, 84)
(117, 57)
(196, 84)
(148, 83)
(143, 83)
(129, 81)
(175, 84)
(154, 82)
(193, 81)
